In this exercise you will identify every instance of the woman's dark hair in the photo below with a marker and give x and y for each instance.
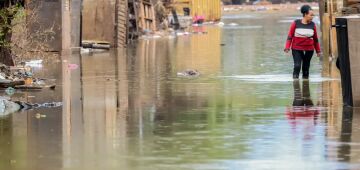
(305, 9)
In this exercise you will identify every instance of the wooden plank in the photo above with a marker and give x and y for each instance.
(122, 17)
(145, 18)
(142, 15)
(99, 25)
(153, 25)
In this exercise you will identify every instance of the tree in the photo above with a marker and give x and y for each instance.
(8, 9)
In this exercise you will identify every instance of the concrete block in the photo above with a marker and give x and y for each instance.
(354, 56)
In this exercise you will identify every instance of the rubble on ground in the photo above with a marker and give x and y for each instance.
(351, 9)
(21, 77)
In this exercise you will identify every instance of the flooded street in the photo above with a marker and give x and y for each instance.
(130, 111)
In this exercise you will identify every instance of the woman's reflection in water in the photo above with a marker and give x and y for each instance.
(303, 106)
(303, 115)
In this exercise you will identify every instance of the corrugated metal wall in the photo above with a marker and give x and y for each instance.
(211, 9)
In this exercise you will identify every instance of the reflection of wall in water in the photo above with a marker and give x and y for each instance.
(7, 141)
(150, 90)
(94, 127)
(355, 136)
(201, 52)
(147, 86)
(99, 99)
(347, 137)
(330, 98)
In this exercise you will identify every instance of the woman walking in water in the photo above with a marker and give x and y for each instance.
(302, 40)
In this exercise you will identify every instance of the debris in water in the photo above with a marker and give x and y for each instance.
(221, 24)
(72, 66)
(96, 45)
(52, 87)
(7, 106)
(10, 91)
(189, 73)
(34, 63)
(37, 115)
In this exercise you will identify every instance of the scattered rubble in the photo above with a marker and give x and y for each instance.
(351, 9)
(21, 77)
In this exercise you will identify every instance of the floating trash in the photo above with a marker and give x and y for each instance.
(39, 116)
(188, 73)
(10, 91)
(220, 24)
(34, 63)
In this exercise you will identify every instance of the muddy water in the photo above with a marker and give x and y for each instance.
(129, 110)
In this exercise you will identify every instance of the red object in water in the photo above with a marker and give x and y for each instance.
(302, 112)
(72, 66)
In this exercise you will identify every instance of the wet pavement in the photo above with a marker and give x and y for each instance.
(129, 110)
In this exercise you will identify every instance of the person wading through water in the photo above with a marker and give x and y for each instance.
(302, 40)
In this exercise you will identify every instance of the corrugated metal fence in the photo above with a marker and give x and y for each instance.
(211, 9)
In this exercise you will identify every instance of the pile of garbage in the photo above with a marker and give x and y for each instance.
(14, 74)
(20, 77)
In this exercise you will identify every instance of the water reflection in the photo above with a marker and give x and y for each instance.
(303, 115)
(303, 106)
(344, 150)
(27, 141)
(128, 110)
(95, 110)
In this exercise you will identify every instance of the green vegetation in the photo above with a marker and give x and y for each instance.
(8, 11)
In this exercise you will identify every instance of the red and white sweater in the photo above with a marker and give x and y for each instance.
(303, 37)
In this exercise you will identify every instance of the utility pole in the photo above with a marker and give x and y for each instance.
(65, 25)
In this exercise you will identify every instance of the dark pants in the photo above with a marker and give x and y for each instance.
(302, 60)
(302, 97)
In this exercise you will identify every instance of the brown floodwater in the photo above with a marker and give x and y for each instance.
(129, 109)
